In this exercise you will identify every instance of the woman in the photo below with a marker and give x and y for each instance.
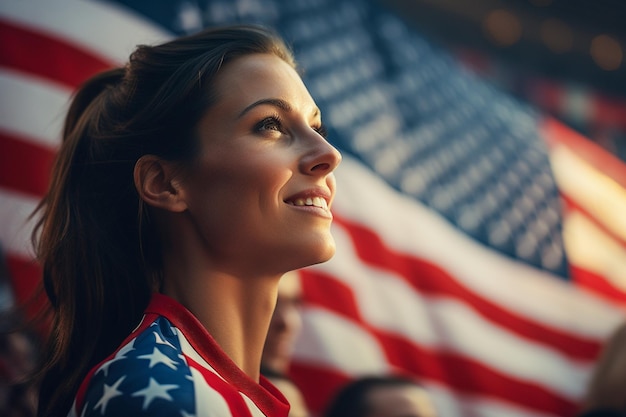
(187, 184)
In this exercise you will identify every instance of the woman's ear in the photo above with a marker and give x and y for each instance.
(156, 185)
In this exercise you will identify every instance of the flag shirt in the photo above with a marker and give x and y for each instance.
(171, 366)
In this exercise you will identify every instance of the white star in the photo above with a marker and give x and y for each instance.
(110, 391)
(183, 413)
(121, 354)
(127, 348)
(154, 390)
(157, 357)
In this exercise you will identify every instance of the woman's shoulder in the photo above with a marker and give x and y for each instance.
(157, 372)
(147, 375)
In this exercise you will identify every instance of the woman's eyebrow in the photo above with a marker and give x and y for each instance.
(276, 102)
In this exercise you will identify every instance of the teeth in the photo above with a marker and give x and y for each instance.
(320, 202)
(315, 201)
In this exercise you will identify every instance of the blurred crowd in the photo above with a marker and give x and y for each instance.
(19, 349)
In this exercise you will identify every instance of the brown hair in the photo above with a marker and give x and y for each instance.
(98, 247)
(351, 400)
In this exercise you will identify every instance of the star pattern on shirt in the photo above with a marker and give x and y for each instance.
(153, 391)
(120, 355)
(157, 357)
(160, 341)
(110, 391)
(147, 376)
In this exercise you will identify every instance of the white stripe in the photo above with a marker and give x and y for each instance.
(408, 227)
(453, 404)
(107, 30)
(252, 407)
(596, 192)
(323, 339)
(32, 108)
(591, 248)
(15, 229)
(207, 399)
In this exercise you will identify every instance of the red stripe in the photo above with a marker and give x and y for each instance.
(572, 205)
(458, 372)
(235, 401)
(318, 384)
(47, 56)
(25, 275)
(24, 165)
(598, 285)
(330, 293)
(469, 376)
(429, 278)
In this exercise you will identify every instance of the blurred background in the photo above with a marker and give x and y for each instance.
(567, 57)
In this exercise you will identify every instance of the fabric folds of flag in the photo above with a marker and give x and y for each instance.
(481, 245)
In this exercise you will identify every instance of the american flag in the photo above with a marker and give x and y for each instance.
(481, 244)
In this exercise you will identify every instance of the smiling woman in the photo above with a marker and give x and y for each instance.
(187, 184)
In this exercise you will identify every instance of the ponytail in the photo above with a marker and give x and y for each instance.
(96, 288)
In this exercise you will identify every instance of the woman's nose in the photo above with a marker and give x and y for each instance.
(322, 158)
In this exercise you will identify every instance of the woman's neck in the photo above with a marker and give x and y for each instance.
(235, 310)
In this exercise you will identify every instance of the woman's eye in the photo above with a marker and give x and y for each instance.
(269, 123)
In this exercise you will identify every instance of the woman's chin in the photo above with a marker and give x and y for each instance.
(306, 253)
(323, 253)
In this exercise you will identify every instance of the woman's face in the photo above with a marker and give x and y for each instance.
(259, 192)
